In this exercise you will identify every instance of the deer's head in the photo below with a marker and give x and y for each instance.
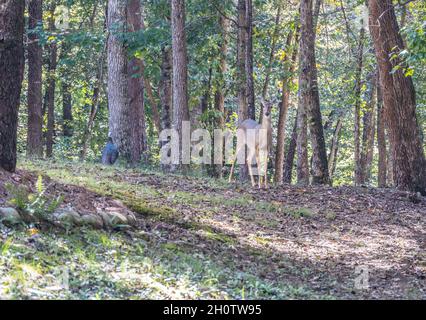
(266, 107)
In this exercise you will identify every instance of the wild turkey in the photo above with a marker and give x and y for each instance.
(110, 153)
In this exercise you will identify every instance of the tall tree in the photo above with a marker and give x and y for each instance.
(249, 61)
(35, 68)
(136, 84)
(51, 86)
(219, 98)
(399, 100)
(180, 69)
(122, 120)
(11, 74)
(165, 89)
(309, 95)
(241, 61)
(289, 66)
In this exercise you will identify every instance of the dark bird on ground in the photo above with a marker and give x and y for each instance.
(110, 153)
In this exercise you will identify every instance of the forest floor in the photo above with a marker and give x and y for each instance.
(199, 238)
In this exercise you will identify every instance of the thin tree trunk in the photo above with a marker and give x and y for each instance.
(11, 74)
(289, 66)
(166, 88)
(357, 120)
(67, 109)
(241, 73)
(409, 164)
(53, 51)
(249, 61)
(241, 62)
(180, 75)
(154, 104)
(95, 104)
(291, 151)
(368, 135)
(334, 148)
(35, 68)
(381, 139)
(309, 95)
(219, 99)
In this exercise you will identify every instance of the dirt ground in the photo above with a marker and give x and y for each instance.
(345, 243)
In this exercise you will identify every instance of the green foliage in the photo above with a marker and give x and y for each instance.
(35, 205)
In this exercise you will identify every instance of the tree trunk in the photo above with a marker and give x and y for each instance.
(166, 88)
(180, 75)
(334, 148)
(291, 151)
(35, 67)
(357, 120)
(66, 109)
(271, 56)
(136, 85)
(219, 99)
(249, 61)
(289, 66)
(368, 134)
(381, 139)
(53, 52)
(241, 62)
(95, 103)
(11, 74)
(122, 120)
(309, 95)
(409, 164)
(154, 104)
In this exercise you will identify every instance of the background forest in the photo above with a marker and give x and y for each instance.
(75, 81)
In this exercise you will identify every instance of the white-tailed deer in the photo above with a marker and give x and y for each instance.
(258, 139)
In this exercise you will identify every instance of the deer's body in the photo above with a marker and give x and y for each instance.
(259, 148)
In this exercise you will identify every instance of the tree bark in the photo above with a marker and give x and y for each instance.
(135, 84)
(309, 95)
(122, 120)
(53, 56)
(11, 74)
(35, 67)
(409, 164)
(180, 72)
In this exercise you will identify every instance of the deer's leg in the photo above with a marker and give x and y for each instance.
(266, 172)
(250, 168)
(259, 170)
